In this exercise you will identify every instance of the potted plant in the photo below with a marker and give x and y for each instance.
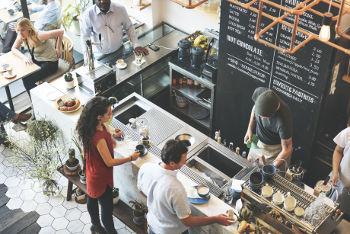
(39, 153)
(115, 195)
(71, 14)
(68, 77)
(80, 196)
(72, 163)
(82, 157)
(139, 210)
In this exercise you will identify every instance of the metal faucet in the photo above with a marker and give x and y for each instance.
(90, 54)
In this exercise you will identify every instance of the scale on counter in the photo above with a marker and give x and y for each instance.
(98, 80)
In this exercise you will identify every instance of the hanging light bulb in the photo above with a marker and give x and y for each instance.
(325, 32)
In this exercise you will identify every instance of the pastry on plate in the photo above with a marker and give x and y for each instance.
(68, 103)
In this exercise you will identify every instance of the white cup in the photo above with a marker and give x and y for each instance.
(289, 203)
(278, 198)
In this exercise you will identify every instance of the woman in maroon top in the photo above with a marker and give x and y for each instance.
(99, 153)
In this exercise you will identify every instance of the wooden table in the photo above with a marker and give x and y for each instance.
(121, 210)
(19, 68)
(7, 18)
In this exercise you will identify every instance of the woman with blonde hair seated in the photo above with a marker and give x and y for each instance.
(42, 50)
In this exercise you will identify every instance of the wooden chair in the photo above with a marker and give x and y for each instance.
(65, 63)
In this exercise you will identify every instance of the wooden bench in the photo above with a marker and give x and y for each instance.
(121, 210)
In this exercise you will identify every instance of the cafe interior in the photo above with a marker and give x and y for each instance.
(183, 70)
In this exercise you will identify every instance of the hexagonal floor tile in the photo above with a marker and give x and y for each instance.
(70, 204)
(123, 231)
(82, 207)
(85, 217)
(13, 192)
(86, 229)
(63, 181)
(11, 181)
(14, 203)
(2, 167)
(75, 226)
(10, 171)
(60, 223)
(47, 230)
(41, 198)
(2, 178)
(117, 223)
(45, 220)
(37, 187)
(58, 211)
(56, 201)
(43, 208)
(26, 184)
(28, 206)
(27, 195)
(73, 214)
(62, 232)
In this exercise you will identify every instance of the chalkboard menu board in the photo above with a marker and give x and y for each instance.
(300, 79)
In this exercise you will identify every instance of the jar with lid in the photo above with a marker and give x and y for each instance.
(184, 52)
(142, 126)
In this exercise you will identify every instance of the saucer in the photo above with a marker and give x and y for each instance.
(122, 65)
(198, 200)
(8, 76)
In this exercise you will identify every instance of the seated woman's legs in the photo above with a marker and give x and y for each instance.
(47, 69)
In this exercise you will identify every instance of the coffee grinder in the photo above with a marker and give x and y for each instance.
(210, 67)
(184, 50)
(143, 129)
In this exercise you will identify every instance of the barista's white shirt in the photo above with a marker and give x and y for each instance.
(343, 140)
(166, 199)
(109, 25)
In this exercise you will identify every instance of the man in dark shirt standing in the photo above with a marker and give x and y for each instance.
(273, 120)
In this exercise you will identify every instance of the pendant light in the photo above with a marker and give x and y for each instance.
(325, 32)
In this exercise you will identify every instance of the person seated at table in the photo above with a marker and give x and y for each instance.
(42, 50)
(7, 114)
(48, 19)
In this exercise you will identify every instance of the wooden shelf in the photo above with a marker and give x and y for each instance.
(145, 4)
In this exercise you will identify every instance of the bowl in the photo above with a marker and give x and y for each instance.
(267, 191)
(142, 149)
(298, 211)
(268, 171)
(203, 191)
(278, 198)
(186, 138)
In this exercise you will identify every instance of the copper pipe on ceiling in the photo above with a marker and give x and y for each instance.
(189, 5)
(295, 28)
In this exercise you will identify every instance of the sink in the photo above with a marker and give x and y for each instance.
(220, 162)
(213, 166)
(132, 112)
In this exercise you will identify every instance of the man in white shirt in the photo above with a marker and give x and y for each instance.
(168, 208)
(105, 21)
(341, 169)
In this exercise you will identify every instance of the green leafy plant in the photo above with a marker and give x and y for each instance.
(81, 153)
(39, 153)
(73, 10)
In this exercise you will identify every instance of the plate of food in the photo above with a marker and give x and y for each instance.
(68, 103)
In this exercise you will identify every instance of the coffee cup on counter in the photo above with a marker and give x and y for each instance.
(289, 203)
(278, 198)
(203, 191)
(268, 171)
(255, 181)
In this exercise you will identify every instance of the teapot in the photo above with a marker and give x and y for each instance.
(289, 202)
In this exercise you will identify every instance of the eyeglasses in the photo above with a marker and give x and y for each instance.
(112, 100)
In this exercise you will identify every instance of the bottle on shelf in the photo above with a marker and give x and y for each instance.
(224, 142)
(196, 84)
(174, 81)
(217, 134)
(184, 81)
(190, 83)
(230, 146)
(237, 150)
(244, 154)
(219, 139)
(180, 81)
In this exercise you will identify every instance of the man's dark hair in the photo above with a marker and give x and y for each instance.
(172, 151)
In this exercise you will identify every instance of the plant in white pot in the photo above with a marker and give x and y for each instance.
(115, 195)
(72, 163)
(71, 14)
(68, 77)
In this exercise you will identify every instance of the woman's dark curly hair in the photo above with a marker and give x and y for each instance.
(87, 123)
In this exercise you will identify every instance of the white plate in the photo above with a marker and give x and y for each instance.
(8, 76)
(122, 65)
